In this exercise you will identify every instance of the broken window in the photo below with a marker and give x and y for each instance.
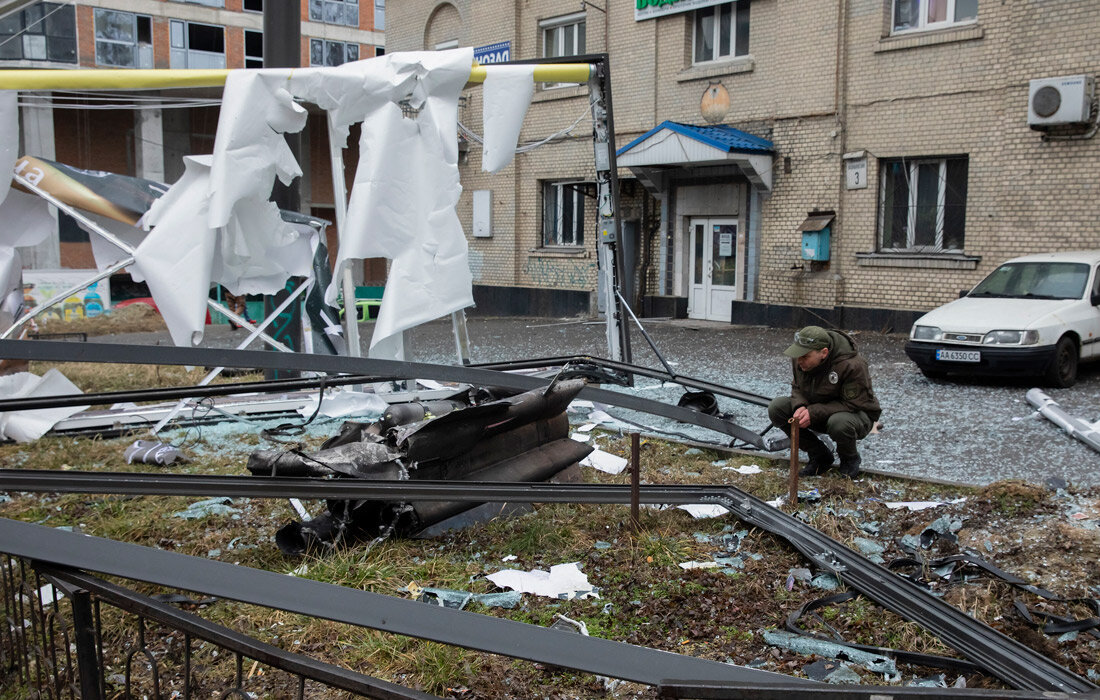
(45, 31)
(123, 39)
(197, 45)
(721, 32)
(563, 213)
(344, 12)
(922, 204)
(323, 52)
(253, 49)
(917, 15)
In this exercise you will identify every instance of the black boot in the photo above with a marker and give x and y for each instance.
(818, 464)
(849, 466)
(820, 456)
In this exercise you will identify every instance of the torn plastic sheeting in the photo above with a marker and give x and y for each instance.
(562, 581)
(605, 462)
(507, 96)
(27, 219)
(210, 506)
(403, 197)
(27, 426)
(338, 403)
(809, 645)
(1074, 427)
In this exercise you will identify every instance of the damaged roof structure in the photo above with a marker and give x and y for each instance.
(497, 438)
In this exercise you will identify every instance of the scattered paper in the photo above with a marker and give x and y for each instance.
(704, 510)
(599, 416)
(564, 581)
(586, 428)
(580, 437)
(510, 557)
(688, 565)
(605, 462)
(744, 469)
(921, 505)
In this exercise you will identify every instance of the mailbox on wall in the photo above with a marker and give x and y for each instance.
(816, 231)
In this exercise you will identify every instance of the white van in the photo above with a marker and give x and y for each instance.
(1032, 316)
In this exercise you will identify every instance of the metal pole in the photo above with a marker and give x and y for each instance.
(87, 656)
(635, 482)
(793, 495)
(462, 336)
(340, 202)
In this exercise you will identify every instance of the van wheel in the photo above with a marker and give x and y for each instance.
(1063, 368)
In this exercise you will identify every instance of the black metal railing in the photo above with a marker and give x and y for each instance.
(68, 634)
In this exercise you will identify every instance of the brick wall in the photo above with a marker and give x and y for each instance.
(819, 85)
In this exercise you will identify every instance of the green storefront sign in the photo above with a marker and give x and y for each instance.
(649, 9)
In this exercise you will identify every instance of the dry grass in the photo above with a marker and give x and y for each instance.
(650, 600)
(135, 318)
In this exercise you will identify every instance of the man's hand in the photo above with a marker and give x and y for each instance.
(802, 417)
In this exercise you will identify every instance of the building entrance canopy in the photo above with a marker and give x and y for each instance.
(671, 144)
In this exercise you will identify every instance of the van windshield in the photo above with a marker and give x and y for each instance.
(1035, 280)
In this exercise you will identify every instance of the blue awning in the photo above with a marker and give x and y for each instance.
(675, 144)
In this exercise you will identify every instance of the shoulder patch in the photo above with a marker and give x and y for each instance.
(850, 391)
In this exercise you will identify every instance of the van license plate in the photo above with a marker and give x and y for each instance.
(959, 355)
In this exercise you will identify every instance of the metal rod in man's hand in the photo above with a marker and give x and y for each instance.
(795, 429)
(635, 481)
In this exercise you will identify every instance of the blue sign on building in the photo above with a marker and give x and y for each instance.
(494, 53)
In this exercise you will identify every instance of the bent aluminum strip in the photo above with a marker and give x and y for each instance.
(372, 610)
(45, 350)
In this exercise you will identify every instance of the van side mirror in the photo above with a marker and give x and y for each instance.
(963, 292)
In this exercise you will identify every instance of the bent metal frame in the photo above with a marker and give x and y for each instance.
(677, 676)
(593, 70)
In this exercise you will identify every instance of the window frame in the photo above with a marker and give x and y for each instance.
(923, 25)
(325, 44)
(739, 27)
(253, 57)
(553, 233)
(912, 168)
(186, 46)
(34, 24)
(136, 43)
(346, 5)
(574, 20)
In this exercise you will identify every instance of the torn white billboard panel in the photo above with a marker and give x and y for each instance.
(26, 426)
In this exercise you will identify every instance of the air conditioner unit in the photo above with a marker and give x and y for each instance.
(1064, 100)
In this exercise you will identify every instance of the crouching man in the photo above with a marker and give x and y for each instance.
(831, 393)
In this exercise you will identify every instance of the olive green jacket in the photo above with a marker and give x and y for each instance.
(841, 383)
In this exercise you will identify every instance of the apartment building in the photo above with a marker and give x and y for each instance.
(846, 161)
(147, 133)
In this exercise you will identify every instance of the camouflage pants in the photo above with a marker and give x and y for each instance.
(845, 428)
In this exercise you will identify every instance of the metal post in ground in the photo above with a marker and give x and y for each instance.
(635, 481)
(793, 496)
(87, 656)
